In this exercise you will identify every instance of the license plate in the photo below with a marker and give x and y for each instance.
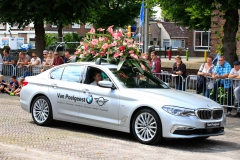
(213, 125)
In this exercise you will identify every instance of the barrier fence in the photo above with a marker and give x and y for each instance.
(224, 91)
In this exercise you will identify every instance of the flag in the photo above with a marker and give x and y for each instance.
(142, 14)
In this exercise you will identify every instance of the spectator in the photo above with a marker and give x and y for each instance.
(12, 86)
(45, 52)
(179, 68)
(35, 61)
(155, 64)
(23, 59)
(66, 57)
(8, 58)
(235, 73)
(17, 91)
(1, 61)
(2, 84)
(146, 57)
(221, 72)
(48, 62)
(206, 70)
(57, 59)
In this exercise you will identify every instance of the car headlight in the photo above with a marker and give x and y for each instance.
(178, 111)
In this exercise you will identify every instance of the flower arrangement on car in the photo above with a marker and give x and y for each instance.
(114, 46)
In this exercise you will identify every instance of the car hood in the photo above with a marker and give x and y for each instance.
(176, 98)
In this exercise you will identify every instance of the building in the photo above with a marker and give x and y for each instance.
(28, 32)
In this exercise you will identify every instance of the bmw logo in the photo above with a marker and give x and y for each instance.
(89, 99)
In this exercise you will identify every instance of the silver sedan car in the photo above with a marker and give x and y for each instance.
(125, 100)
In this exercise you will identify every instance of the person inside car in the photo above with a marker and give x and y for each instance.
(97, 77)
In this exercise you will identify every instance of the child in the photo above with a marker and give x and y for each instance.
(2, 84)
(17, 91)
(12, 86)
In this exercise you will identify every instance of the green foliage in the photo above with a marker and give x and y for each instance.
(115, 12)
(50, 39)
(72, 37)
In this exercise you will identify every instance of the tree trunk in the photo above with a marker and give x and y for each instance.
(60, 34)
(40, 38)
(230, 30)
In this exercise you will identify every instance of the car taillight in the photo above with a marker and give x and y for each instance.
(25, 83)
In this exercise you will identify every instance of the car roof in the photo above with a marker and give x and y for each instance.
(107, 65)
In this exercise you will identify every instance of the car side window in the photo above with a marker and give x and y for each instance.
(73, 74)
(57, 73)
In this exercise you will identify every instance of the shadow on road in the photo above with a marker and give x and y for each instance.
(193, 145)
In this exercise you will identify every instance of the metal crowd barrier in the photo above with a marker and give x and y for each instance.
(7, 72)
(173, 81)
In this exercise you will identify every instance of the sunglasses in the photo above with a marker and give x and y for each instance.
(44, 54)
(34, 56)
(55, 54)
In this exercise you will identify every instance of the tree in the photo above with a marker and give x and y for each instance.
(196, 14)
(115, 12)
(60, 12)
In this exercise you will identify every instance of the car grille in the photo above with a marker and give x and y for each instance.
(200, 131)
(208, 114)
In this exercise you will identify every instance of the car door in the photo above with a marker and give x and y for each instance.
(64, 90)
(102, 104)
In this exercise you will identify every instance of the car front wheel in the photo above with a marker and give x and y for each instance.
(42, 111)
(147, 127)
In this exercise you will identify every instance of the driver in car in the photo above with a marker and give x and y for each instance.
(97, 77)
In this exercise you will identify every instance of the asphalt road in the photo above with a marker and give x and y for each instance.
(20, 138)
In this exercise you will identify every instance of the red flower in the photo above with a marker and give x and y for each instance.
(121, 48)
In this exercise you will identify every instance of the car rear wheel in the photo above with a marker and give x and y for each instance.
(147, 127)
(42, 111)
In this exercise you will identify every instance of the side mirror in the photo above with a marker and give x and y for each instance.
(106, 84)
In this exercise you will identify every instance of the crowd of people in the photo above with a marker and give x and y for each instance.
(26, 63)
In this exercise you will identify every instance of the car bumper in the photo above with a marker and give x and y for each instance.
(190, 127)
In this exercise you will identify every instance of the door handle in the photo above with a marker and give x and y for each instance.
(54, 85)
(85, 91)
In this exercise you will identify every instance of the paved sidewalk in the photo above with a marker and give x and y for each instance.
(20, 138)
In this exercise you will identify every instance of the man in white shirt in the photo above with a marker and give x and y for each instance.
(235, 73)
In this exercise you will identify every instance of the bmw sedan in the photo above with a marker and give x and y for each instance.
(125, 100)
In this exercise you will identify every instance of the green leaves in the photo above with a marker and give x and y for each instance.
(120, 64)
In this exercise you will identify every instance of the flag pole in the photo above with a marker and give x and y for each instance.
(146, 30)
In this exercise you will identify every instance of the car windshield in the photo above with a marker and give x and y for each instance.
(132, 78)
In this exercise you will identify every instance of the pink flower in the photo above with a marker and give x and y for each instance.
(116, 55)
(100, 29)
(94, 42)
(134, 56)
(110, 29)
(140, 44)
(114, 44)
(120, 34)
(92, 31)
(85, 47)
(92, 52)
(81, 43)
(131, 52)
(101, 39)
(121, 54)
(106, 39)
(102, 53)
(121, 48)
(105, 46)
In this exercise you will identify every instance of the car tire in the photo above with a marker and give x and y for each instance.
(147, 127)
(41, 111)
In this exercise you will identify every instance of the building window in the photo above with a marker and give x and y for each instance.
(166, 43)
(201, 40)
(178, 43)
(75, 25)
(88, 26)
